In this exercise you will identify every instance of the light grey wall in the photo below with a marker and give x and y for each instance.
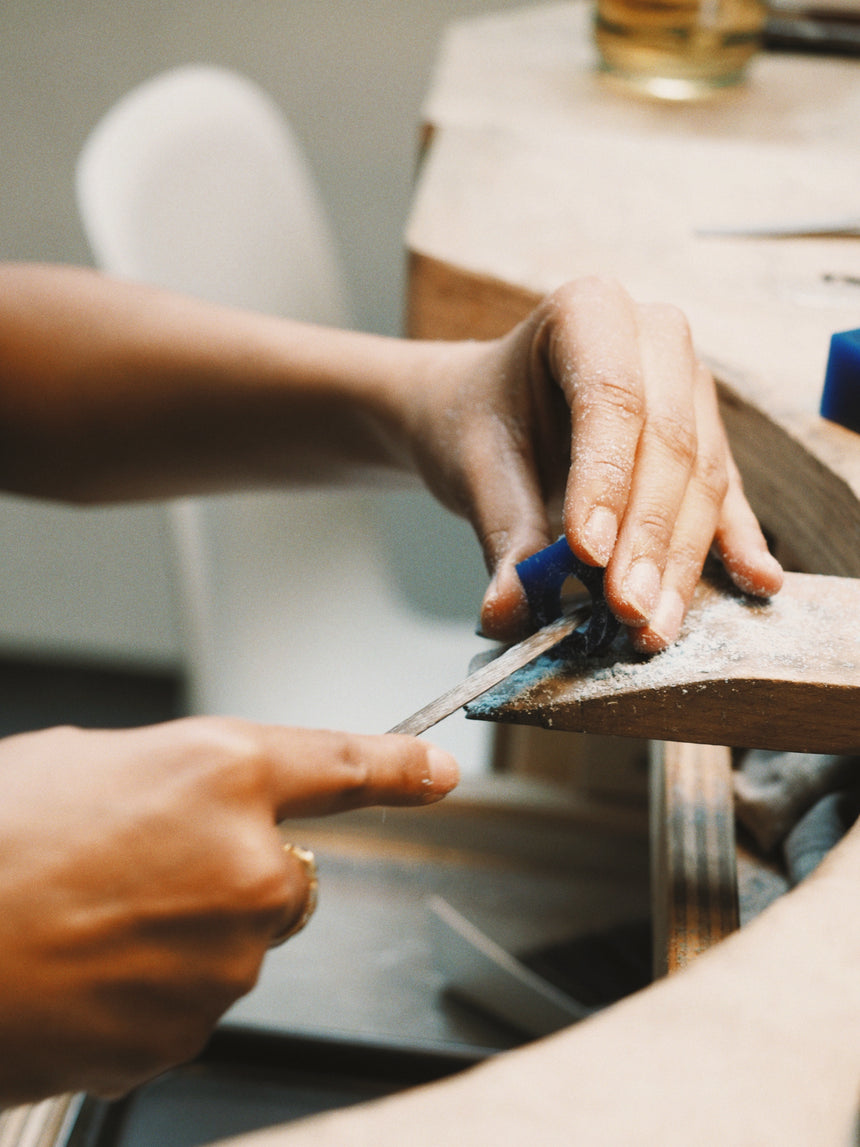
(351, 75)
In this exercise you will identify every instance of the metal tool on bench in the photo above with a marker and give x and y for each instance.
(481, 972)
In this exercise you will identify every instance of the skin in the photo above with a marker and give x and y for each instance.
(144, 879)
(128, 930)
(600, 403)
(113, 391)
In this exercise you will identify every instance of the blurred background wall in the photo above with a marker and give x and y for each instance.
(350, 75)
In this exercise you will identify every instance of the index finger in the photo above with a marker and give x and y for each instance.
(317, 772)
(594, 356)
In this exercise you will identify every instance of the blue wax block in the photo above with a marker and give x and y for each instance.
(543, 576)
(840, 400)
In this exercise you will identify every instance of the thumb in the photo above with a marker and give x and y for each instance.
(510, 519)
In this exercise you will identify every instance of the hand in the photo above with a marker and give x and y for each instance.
(601, 403)
(142, 879)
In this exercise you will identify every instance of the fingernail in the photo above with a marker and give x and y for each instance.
(764, 582)
(641, 587)
(668, 616)
(443, 773)
(601, 530)
(505, 612)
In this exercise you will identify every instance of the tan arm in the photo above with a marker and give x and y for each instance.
(112, 390)
(756, 1042)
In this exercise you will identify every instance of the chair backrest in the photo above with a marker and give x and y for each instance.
(194, 182)
(204, 137)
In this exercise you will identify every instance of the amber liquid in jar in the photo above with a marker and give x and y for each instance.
(678, 48)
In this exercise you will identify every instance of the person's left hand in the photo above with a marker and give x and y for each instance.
(602, 402)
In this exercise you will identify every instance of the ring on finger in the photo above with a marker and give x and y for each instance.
(308, 862)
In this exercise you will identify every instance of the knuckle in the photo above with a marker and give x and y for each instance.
(712, 476)
(495, 543)
(217, 733)
(669, 317)
(610, 474)
(403, 769)
(676, 437)
(267, 894)
(612, 390)
(252, 888)
(622, 392)
(687, 560)
(655, 523)
(585, 286)
(227, 753)
(62, 739)
(349, 754)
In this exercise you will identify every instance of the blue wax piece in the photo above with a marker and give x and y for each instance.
(840, 400)
(543, 575)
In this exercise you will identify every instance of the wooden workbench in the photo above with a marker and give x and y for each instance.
(535, 171)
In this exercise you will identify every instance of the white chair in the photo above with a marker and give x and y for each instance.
(291, 602)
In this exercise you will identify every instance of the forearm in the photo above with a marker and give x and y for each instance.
(112, 390)
(758, 1042)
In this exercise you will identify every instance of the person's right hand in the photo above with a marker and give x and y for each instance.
(142, 879)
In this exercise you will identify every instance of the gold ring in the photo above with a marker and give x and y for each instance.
(307, 860)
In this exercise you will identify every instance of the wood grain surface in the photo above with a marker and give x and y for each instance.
(694, 871)
(779, 674)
